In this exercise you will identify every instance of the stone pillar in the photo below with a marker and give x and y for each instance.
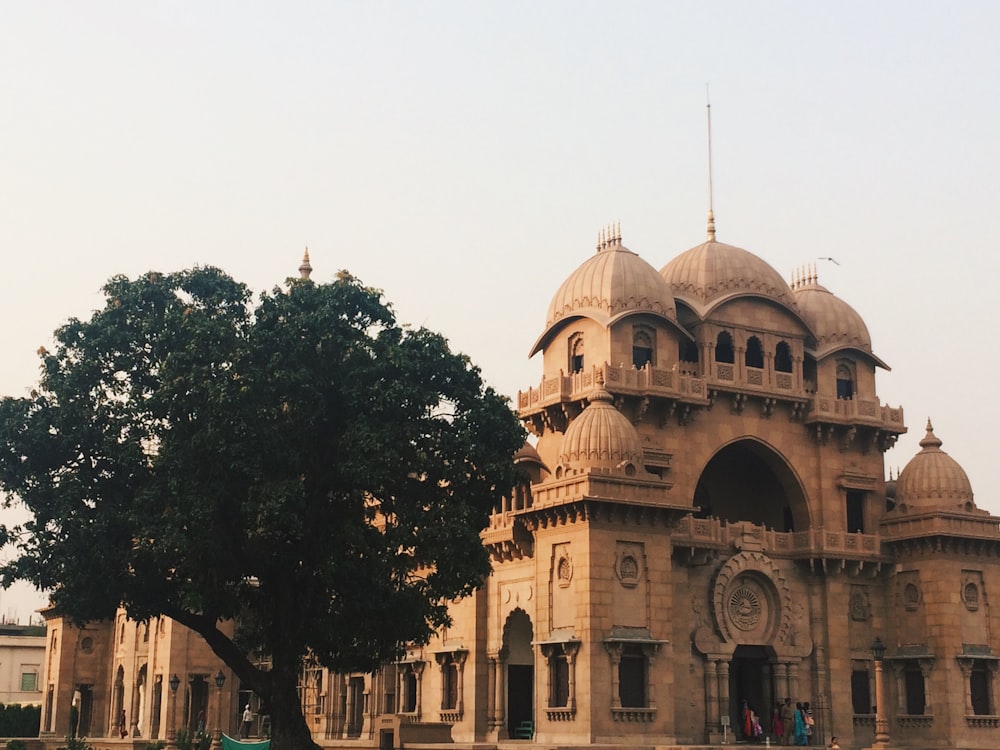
(966, 666)
(781, 682)
(724, 689)
(615, 650)
(571, 651)
(711, 696)
(460, 657)
(793, 682)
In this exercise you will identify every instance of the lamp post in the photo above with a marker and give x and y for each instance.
(174, 683)
(220, 680)
(881, 725)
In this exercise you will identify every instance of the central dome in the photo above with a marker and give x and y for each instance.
(713, 272)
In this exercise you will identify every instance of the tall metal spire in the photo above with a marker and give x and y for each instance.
(711, 214)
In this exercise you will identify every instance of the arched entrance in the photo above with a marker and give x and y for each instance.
(751, 681)
(748, 481)
(517, 637)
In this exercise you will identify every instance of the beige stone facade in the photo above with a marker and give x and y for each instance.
(107, 668)
(22, 653)
(705, 520)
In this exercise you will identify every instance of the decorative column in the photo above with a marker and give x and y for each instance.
(881, 725)
(460, 657)
(711, 697)
(966, 666)
(615, 651)
(793, 682)
(174, 683)
(571, 648)
(781, 682)
(723, 688)
(220, 680)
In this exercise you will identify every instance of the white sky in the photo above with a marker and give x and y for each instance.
(463, 156)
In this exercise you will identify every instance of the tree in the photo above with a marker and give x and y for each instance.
(305, 466)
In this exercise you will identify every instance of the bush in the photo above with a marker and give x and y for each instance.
(17, 745)
(76, 743)
(20, 721)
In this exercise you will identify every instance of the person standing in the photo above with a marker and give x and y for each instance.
(788, 721)
(247, 720)
(800, 725)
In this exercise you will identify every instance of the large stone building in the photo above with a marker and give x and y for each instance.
(704, 520)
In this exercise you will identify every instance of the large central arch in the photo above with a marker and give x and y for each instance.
(747, 480)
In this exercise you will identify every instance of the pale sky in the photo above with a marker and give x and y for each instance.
(462, 156)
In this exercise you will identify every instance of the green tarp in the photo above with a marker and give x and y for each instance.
(231, 743)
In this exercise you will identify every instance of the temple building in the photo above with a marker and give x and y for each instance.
(704, 523)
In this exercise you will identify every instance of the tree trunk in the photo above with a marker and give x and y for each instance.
(289, 730)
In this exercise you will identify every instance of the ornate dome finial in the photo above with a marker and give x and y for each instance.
(711, 226)
(930, 440)
(305, 268)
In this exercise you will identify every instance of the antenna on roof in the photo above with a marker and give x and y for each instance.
(711, 215)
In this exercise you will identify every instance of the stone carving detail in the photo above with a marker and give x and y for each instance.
(751, 601)
(859, 607)
(970, 595)
(744, 608)
(564, 570)
(630, 563)
(911, 597)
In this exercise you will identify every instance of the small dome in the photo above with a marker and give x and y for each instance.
(933, 480)
(835, 324)
(602, 438)
(529, 455)
(713, 272)
(612, 283)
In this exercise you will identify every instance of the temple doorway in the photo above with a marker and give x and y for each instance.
(751, 679)
(517, 637)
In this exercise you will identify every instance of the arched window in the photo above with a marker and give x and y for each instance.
(687, 351)
(724, 348)
(754, 356)
(783, 357)
(642, 347)
(845, 381)
(576, 352)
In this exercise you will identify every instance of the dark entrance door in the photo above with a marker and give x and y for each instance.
(520, 679)
(751, 680)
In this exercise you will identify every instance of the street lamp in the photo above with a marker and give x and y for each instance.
(220, 680)
(881, 725)
(174, 683)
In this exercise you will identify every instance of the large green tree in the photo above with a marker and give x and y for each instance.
(303, 465)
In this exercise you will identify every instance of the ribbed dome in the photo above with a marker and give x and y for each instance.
(609, 284)
(713, 272)
(602, 438)
(933, 480)
(835, 324)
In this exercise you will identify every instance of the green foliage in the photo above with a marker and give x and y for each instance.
(76, 743)
(157, 745)
(184, 739)
(306, 466)
(17, 745)
(19, 721)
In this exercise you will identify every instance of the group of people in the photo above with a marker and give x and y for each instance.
(790, 725)
(794, 725)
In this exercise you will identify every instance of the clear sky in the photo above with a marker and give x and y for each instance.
(462, 156)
